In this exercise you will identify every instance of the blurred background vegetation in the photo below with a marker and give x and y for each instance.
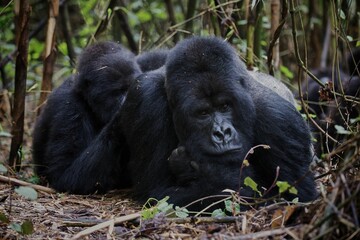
(40, 41)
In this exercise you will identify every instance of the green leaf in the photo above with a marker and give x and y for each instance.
(232, 207)
(27, 192)
(149, 213)
(283, 186)
(143, 16)
(4, 218)
(181, 212)
(27, 227)
(284, 70)
(293, 190)
(252, 184)
(342, 14)
(165, 207)
(34, 179)
(350, 38)
(218, 213)
(16, 227)
(3, 169)
(341, 130)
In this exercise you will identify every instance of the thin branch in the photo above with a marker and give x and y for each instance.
(65, 24)
(171, 14)
(15, 181)
(276, 36)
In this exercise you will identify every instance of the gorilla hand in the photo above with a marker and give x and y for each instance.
(182, 166)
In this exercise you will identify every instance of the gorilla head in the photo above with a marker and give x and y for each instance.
(105, 72)
(209, 114)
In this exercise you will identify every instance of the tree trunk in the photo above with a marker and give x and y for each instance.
(20, 85)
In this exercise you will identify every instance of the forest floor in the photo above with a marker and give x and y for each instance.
(335, 215)
(66, 216)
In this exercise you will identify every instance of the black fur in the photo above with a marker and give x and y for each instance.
(77, 143)
(152, 60)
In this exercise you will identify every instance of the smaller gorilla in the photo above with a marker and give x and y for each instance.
(77, 143)
(331, 111)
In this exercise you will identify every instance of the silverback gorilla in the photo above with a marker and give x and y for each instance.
(177, 124)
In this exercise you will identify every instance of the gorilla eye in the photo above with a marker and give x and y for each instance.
(203, 112)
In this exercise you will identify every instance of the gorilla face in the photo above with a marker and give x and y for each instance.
(213, 112)
(212, 120)
(105, 72)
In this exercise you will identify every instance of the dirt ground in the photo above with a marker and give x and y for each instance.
(64, 216)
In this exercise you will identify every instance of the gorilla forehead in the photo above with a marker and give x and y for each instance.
(202, 54)
(203, 67)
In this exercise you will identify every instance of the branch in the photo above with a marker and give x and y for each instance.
(15, 181)
(105, 224)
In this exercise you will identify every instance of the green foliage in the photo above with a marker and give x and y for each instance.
(36, 49)
(286, 71)
(27, 192)
(285, 186)
(232, 207)
(162, 206)
(218, 213)
(252, 184)
(25, 228)
(181, 212)
(341, 130)
(4, 218)
(33, 179)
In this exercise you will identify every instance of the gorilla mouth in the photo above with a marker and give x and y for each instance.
(225, 151)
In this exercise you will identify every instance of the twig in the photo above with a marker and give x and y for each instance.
(23, 183)
(197, 220)
(105, 224)
(265, 234)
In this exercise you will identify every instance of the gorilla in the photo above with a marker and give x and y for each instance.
(180, 128)
(77, 145)
(205, 111)
(331, 110)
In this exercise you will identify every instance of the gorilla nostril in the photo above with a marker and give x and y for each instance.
(228, 135)
(227, 132)
(218, 136)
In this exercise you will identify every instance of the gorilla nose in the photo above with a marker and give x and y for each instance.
(222, 134)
